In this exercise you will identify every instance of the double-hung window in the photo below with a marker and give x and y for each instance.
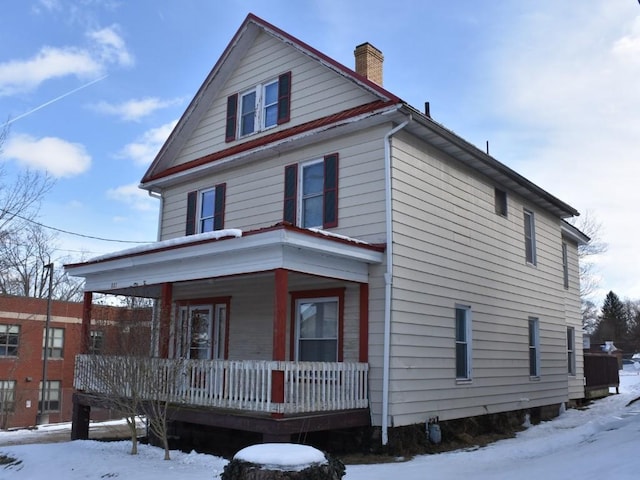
(55, 347)
(317, 329)
(534, 347)
(9, 340)
(259, 108)
(7, 395)
(571, 350)
(529, 237)
(311, 193)
(205, 210)
(96, 342)
(463, 342)
(52, 396)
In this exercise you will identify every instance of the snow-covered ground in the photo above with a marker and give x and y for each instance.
(600, 442)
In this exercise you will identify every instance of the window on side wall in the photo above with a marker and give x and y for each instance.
(9, 340)
(55, 347)
(259, 108)
(565, 266)
(529, 237)
(311, 193)
(534, 347)
(205, 209)
(463, 342)
(500, 201)
(96, 342)
(571, 350)
(7, 395)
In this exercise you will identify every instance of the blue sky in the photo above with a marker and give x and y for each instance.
(92, 88)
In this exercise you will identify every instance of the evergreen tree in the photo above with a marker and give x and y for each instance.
(613, 323)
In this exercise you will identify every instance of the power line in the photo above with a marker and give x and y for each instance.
(92, 237)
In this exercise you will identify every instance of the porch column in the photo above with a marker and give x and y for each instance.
(86, 322)
(166, 301)
(363, 346)
(279, 334)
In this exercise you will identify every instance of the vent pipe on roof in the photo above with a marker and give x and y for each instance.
(427, 109)
(369, 62)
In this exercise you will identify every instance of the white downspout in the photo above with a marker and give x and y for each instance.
(388, 279)
(155, 336)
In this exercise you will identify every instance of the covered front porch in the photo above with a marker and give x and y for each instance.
(271, 325)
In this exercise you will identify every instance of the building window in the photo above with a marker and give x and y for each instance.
(500, 199)
(565, 266)
(52, 396)
(571, 350)
(318, 325)
(534, 347)
(96, 342)
(529, 237)
(56, 343)
(463, 343)
(7, 395)
(263, 106)
(205, 210)
(311, 198)
(9, 340)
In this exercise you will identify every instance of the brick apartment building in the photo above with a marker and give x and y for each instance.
(22, 338)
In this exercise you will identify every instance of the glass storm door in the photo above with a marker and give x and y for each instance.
(202, 332)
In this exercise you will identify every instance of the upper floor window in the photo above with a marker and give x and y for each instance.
(9, 339)
(311, 193)
(463, 343)
(55, 347)
(500, 200)
(96, 342)
(571, 350)
(261, 107)
(565, 266)
(205, 210)
(529, 237)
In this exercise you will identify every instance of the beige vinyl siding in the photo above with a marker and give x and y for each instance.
(255, 191)
(450, 247)
(316, 92)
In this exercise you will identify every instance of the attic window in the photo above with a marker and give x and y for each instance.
(261, 107)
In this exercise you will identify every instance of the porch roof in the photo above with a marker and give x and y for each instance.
(208, 256)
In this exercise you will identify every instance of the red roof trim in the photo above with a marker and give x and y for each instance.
(273, 137)
(277, 226)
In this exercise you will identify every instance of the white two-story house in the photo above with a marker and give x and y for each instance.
(331, 257)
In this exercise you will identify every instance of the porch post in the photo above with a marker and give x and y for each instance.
(86, 322)
(279, 334)
(166, 301)
(363, 346)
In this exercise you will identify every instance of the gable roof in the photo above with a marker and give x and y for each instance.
(220, 73)
(423, 126)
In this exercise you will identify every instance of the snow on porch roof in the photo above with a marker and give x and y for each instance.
(231, 252)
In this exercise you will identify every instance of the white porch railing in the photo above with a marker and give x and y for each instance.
(234, 384)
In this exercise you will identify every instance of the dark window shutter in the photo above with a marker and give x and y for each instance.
(232, 118)
(218, 215)
(330, 200)
(284, 98)
(192, 202)
(290, 193)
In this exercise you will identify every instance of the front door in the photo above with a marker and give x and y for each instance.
(201, 332)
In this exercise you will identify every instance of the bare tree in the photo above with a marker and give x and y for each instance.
(23, 254)
(587, 256)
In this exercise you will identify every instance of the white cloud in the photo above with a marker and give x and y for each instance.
(569, 79)
(145, 148)
(57, 156)
(24, 75)
(134, 197)
(136, 109)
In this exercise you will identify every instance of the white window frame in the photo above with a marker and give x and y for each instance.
(56, 343)
(534, 347)
(201, 218)
(300, 301)
(302, 197)
(565, 265)
(571, 351)
(259, 108)
(466, 342)
(530, 240)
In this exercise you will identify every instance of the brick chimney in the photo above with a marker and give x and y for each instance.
(369, 62)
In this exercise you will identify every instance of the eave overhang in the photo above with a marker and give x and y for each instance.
(282, 246)
(574, 234)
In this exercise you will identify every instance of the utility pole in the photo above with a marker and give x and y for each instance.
(42, 417)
